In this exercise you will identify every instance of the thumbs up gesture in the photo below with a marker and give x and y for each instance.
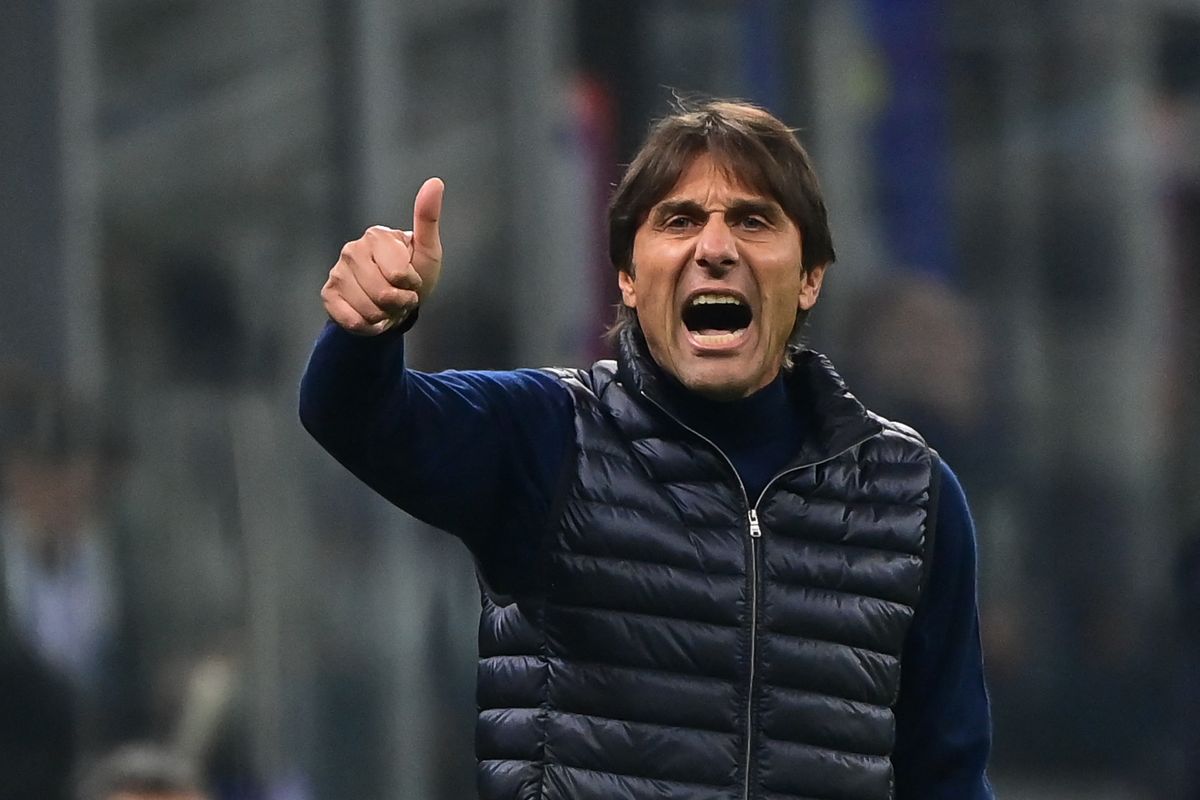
(381, 277)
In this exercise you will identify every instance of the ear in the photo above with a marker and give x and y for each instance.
(628, 294)
(810, 286)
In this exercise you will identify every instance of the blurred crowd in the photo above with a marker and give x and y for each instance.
(1014, 190)
(92, 659)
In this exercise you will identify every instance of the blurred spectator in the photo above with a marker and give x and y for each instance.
(205, 337)
(37, 749)
(60, 582)
(142, 772)
(172, 316)
(917, 349)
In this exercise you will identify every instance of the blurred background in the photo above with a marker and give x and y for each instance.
(1015, 197)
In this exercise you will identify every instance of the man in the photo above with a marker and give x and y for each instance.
(706, 564)
(64, 590)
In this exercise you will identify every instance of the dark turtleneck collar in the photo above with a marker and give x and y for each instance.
(828, 418)
(746, 419)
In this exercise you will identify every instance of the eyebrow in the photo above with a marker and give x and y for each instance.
(738, 209)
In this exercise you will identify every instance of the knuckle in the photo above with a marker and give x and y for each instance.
(395, 277)
(389, 297)
(403, 299)
(404, 277)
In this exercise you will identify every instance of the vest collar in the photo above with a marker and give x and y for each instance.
(836, 419)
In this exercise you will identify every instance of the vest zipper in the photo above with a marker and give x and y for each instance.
(755, 538)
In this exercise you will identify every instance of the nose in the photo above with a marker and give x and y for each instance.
(716, 248)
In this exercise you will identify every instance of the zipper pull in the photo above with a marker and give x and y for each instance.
(755, 530)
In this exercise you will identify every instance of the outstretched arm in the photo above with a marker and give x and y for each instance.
(469, 452)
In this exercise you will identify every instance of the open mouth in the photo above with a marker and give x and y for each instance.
(715, 318)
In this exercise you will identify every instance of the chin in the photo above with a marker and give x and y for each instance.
(717, 385)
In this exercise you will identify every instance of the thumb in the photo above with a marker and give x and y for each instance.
(427, 210)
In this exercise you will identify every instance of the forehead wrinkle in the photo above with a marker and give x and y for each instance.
(737, 191)
(736, 207)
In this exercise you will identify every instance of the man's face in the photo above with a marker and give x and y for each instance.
(717, 281)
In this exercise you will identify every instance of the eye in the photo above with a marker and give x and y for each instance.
(678, 222)
(754, 223)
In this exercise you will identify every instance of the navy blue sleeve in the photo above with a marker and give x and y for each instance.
(470, 452)
(943, 719)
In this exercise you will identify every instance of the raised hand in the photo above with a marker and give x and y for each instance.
(381, 277)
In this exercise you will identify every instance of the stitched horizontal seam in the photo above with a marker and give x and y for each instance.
(827, 696)
(833, 750)
(508, 707)
(816, 640)
(775, 792)
(730, 626)
(562, 710)
(629, 456)
(628, 668)
(665, 726)
(861, 548)
(632, 457)
(666, 780)
(658, 513)
(808, 537)
(656, 670)
(795, 584)
(601, 772)
(812, 496)
(822, 696)
(634, 777)
(778, 685)
(609, 610)
(775, 577)
(646, 614)
(575, 554)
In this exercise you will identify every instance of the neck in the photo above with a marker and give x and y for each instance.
(744, 417)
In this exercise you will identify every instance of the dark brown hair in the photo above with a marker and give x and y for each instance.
(748, 141)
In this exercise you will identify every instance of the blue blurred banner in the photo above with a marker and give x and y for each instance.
(763, 48)
(911, 137)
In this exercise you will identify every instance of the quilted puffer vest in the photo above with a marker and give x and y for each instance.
(676, 639)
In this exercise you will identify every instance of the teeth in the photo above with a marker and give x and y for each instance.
(715, 299)
(716, 338)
